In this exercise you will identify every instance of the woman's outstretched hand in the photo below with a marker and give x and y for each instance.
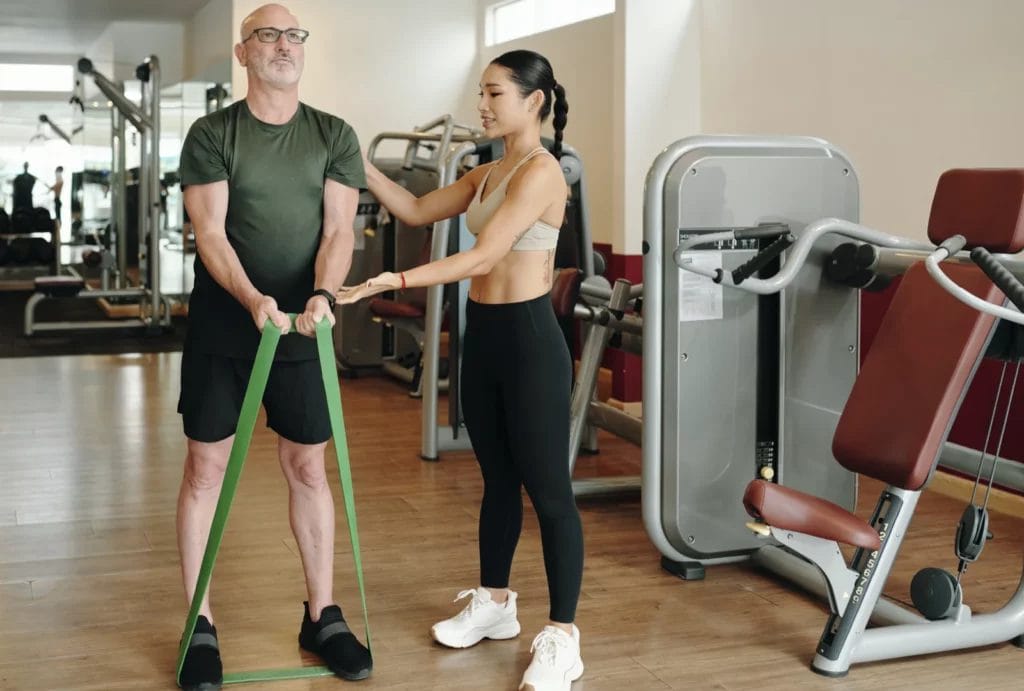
(376, 285)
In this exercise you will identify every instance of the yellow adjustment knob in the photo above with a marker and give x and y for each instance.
(767, 472)
(370, 233)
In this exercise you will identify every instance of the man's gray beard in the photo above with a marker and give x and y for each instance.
(274, 78)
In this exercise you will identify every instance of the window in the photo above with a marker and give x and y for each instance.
(15, 77)
(514, 19)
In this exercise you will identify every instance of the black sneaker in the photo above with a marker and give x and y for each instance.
(202, 669)
(331, 639)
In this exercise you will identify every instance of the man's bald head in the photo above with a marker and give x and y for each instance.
(272, 14)
(274, 65)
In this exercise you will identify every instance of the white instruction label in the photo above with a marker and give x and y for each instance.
(700, 298)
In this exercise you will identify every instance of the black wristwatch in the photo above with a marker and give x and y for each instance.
(323, 292)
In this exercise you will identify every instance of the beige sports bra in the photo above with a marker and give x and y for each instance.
(539, 236)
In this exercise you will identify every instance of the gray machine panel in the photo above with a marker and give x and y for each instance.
(714, 404)
(708, 398)
(358, 340)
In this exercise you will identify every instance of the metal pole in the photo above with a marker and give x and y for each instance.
(154, 191)
(141, 192)
(149, 183)
(590, 362)
(122, 203)
(115, 94)
(432, 321)
(118, 197)
(53, 126)
(115, 193)
(586, 242)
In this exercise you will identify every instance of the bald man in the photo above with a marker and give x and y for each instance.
(271, 186)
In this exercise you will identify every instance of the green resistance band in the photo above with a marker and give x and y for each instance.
(239, 450)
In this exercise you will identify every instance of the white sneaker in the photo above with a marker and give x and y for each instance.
(481, 618)
(556, 661)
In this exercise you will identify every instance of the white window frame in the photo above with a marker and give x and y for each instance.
(35, 77)
(543, 16)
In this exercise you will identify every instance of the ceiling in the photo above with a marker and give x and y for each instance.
(61, 31)
(70, 27)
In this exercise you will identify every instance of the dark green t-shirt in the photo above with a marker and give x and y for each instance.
(274, 222)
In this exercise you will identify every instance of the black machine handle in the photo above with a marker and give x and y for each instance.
(762, 259)
(1007, 282)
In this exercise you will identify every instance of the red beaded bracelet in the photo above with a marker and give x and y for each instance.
(402, 276)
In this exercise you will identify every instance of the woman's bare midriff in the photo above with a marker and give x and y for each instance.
(518, 277)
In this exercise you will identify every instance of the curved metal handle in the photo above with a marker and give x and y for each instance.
(800, 250)
(965, 296)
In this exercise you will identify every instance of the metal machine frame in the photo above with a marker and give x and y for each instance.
(855, 590)
(364, 339)
(155, 309)
(712, 419)
(604, 313)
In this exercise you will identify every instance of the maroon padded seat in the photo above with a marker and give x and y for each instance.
(791, 509)
(566, 291)
(415, 305)
(393, 309)
(59, 286)
(59, 281)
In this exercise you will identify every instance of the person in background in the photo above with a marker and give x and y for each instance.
(57, 188)
(23, 184)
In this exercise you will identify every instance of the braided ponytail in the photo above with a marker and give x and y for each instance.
(561, 109)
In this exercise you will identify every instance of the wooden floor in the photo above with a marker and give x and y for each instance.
(90, 596)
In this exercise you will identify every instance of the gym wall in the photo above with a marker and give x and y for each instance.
(124, 44)
(908, 89)
(209, 38)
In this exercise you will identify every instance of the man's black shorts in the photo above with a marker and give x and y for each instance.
(213, 387)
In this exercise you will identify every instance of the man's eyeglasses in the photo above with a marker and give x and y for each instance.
(270, 35)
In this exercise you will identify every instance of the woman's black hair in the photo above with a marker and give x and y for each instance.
(531, 71)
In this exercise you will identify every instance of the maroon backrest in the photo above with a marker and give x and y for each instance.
(914, 378)
(929, 344)
(984, 205)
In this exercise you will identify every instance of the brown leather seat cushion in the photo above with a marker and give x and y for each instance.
(392, 309)
(566, 291)
(59, 282)
(790, 509)
(59, 286)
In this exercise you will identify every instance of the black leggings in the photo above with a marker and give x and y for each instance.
(515, 385)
